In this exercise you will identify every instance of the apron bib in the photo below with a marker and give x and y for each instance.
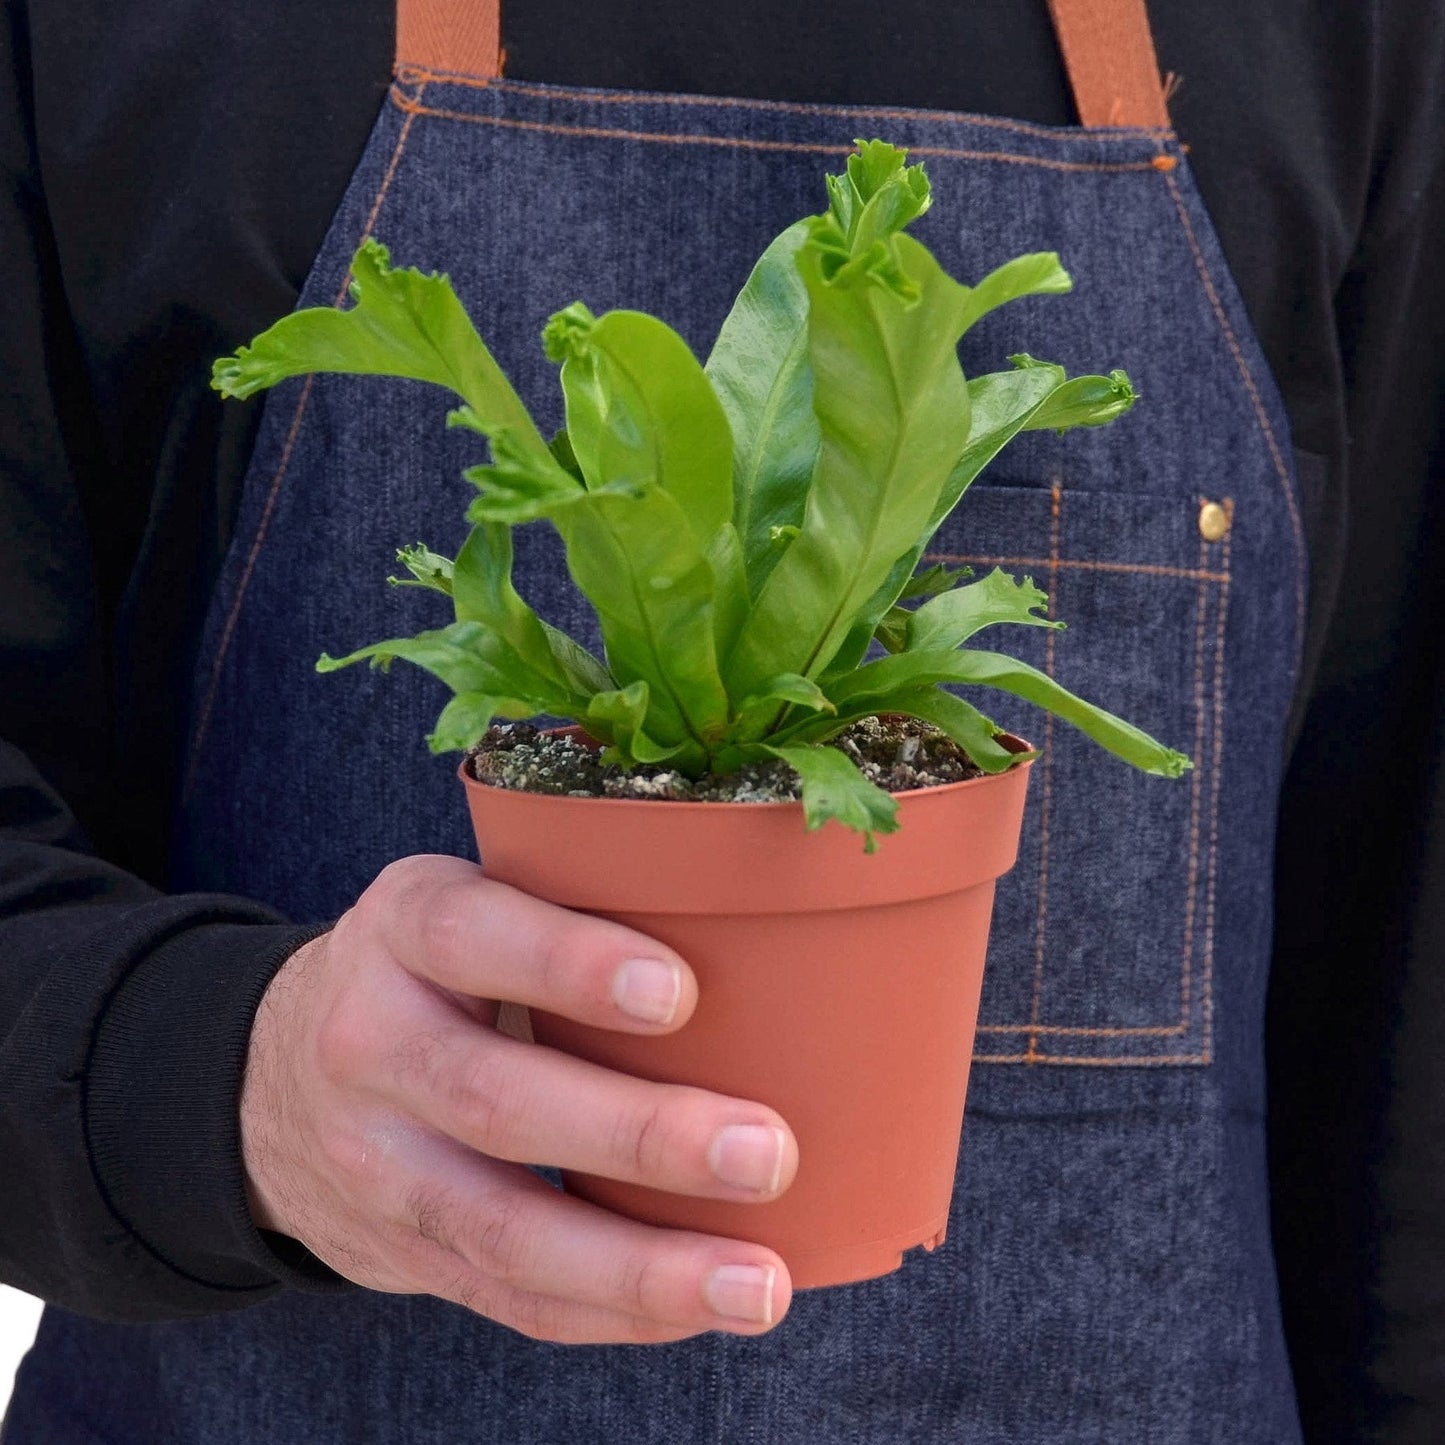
(1108, 1275)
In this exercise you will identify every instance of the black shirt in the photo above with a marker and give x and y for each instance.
(171, 169)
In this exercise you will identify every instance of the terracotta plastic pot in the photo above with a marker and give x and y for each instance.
(838, 987)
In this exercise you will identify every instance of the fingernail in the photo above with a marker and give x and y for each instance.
(742, 1292)
(748, 1156)
(648, 989)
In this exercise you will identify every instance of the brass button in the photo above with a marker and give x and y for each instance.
(1213, 521)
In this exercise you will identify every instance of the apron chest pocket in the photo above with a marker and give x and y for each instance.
(1102, 945)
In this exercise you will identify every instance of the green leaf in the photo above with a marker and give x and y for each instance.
(869, 205)
(876, 174)
(1034, 396)
(950, 620)
(483, 592)
(561, 448)
(873, 683)
(640, 410)
(834, 788)
(519, 487)
(638, 563)
(761, 372)
(754, 712)
(403, 324)
(730, 595)
(636, 560)
(1083, 401)
(618, 718)
(963, 722)
(892, 631)
(428, 569)
(1037, 274)
(468, 657)
(478, 663)
(934, 580)
(641, 414)
(583, 672)
(468, 715)
(892, 406)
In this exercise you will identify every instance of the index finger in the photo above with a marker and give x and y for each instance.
(443, 920)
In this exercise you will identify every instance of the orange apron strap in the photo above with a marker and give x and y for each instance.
(1109, 54)
(452, 37)
(1107, 46)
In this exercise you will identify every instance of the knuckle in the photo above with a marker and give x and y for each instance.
(640, 1143)
(553, 959)
(345, 1039)
(442, 926)
(346, 1158)
(421, 898)
(639, 1289)
(499, 1244)
(430, 1212)
(387, 891)
(471, 1293)
(416, 1058)
(478, 1093)
(649, 1332)
(536, 1317)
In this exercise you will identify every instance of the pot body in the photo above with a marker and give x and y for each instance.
(840, 988)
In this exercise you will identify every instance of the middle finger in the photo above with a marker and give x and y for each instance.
(533, 1105)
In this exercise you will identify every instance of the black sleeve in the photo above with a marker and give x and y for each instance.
(1357, 1006)
(113, 1197)
(126, 1021)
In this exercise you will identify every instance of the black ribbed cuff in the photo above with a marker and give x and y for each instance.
(162, 1106)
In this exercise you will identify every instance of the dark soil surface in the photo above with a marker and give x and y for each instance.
(897, 753)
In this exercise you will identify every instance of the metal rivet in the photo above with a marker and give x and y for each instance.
(1213, 521)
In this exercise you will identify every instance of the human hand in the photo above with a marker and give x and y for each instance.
(386, 1120)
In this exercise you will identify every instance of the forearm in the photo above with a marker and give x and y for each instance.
(126, 1016)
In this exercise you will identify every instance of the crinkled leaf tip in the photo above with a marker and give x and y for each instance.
(869, 204)
(566, 333)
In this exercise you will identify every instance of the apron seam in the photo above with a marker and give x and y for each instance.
(410, 74)
(1197, 782)
(1041, 921)
(1261, 413)
(1102, 1061)
(273, 494)
(1217, 765)
(412, 107)
(1082, 564)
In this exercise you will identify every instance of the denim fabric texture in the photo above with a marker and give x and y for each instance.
(1107, 1275)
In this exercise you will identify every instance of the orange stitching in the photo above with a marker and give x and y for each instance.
(411, 107)
(1261, 415)
(1148, 1031)
(1088, 1061)
(1046, 809)
(1191, 898)
(1218, 764)
(1186, 574)
(224, 646)
(410, 73)
(1034, 1029)
(277, 478)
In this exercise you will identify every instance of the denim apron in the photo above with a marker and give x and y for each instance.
(1108, 1274)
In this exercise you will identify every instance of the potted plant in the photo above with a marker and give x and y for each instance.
(749, 533)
